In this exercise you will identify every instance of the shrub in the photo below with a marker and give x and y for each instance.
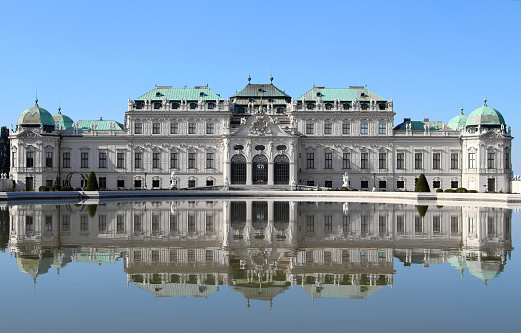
(77, 189)
(92, 182)
(92, 210)
(343, 188)
(55, 187)
(449, 190)
(461, 190)
(353, 189)
(422, 185)
(43, 188)
(422, 210)
(439, 190)
(67, 188)
(473, 191)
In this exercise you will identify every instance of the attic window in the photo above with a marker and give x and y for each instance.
(319, 94)
(158, 94)
(259, 90)
(201, 94)
(362, 94)
(238, 147)
(329, 106)
(347, 106)
(175, 105)
(260, 147)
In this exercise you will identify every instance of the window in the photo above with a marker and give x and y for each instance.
(328, 128)
(507, 160)
(400, 184)
(209, 255)
(436, 224)
(155, 161)
(454, 160)
(67, 160)
(454, 224)
(84, 160)
(363, 224)
(472, 160)
(102, 223)
(310, 106)
(120, 183)
(436, 184)
(381, 129)
(310, 161)
(364, 184)
(173, 160)
(328, 183)
(418, 160)
(382, 224)
(418, 225)
(157, 105)
(173, 222)
(66, 223)
(137, 183)
(48, 223)
(191, 183)
(346, 161)
(309, 128)
(310, 223)
(209, 128)
(209, 223)
(137, 222)
(155, 183)
(191, 128)
(382, 184)
(174, 128)
(173, 256)
(347, 106)
(48, 159)
(381, 256)
(29, 161)
(328, 223)
(328, 163)
(454, 184)
(310, 183)
(120, 160)
(175, 106)
(191, 223)
(155, 223)
(436, 160)
(363, 160)
(346, 220)
(400, 224)
(137, 160)
(193, 106)
(209, 160)
(400, 161)
(84, 223)
(346, 128)
(156, 128)
(102, 182)
(211, 106)
(191, 160)
(382, 160)
(138, 128)
(29, 223)
(491, 157)
(363, 128)
(102, 160)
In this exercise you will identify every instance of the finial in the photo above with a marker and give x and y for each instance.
(271, 79)
(249, 78)
(462, 110)
(36, 102)
(59, 110)
(485, 101)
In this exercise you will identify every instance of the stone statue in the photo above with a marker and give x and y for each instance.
(509, 129)
(390, 103)
(226, 184)
(173, 180)
(293, 184)
(345, 180)
(276, 120)
(243, 120)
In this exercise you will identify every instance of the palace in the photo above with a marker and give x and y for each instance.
(260, 137)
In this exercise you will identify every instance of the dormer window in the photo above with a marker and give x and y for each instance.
(365, 106)
(201, 94)
(175, 106)
(319, 94)
(158, 94)
(310, 106)
(157, 105)
(211, 106)
(363, 95)
(347, 106)
(139, 105)
(193, 106)
(381, 106)
(329, 106)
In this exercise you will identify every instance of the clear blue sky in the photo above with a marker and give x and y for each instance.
(431, 57)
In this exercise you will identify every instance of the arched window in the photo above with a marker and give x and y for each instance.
(260, 169)
(281, 169)
(238, 169)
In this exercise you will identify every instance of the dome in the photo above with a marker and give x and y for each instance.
(457, 122)
(62, 121)
(485, 115)
(35, 117)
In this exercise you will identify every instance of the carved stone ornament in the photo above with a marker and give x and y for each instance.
(492, 135)
(29, 134)
(260, 126)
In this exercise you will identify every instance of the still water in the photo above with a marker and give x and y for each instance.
(259, 266)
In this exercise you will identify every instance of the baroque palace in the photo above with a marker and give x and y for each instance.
(328, 137)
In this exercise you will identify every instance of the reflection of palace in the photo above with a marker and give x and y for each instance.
(260, 248)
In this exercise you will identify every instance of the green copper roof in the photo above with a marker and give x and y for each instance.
(458, 121)
(261, 90)
(420, 125)
(177, 94)
(344, 94)
(62, 121)
(36, 116)
(485, 115)
(101, 125)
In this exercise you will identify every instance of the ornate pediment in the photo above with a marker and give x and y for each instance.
(29, 134)
(260, 126)
(492, 135)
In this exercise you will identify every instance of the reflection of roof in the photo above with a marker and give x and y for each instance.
(177, 94)
(178, 289)
(33, 265)
(485, 269)
(96, 257)
(344, 94)
(348, 291)
(266, 292)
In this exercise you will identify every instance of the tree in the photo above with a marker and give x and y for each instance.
(4, 150)
(92, 182)
(422, 185)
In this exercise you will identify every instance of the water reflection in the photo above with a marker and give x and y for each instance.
(259, 248)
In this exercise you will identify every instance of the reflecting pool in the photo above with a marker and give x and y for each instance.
(254, 265)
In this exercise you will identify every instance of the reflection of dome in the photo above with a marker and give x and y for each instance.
(33, 265)
(62, 121)
(485, 115)
(457, 122)
(486, 269)
(35, 117)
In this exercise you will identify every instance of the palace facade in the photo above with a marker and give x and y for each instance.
(328, 137)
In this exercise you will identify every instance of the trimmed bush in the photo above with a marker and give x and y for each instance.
(343, 188)
(67, 188)
(77, 189)
(55, 187)
(43, 189)
(422, 185)
(473, 191)
(92, 210)
(449, 190)
(92, 182)
(461, 190)
(422, 210)
(439, 190)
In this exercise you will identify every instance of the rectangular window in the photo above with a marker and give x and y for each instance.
(48, 159)
(174, 128)
(173, 222)
(102, 160)
(66, 223)
(191, 223)
(364, 184)
(173, 160)
(400, 224)
(120, 183)
(381, 256)
(155, 183)
(156, 163)
(454, 158)
(120, 160)
(418, 225)
(346, 128)
(173, 255)
(382, 160)
(138, 128)
(310, 161)
(120, 223)
(84, 223)
(209, 223)
(67, 160)
(102, 182)
(191, 160)
(400, 184)
(418, 160)
(48, 223)
(491, 159)
(137, 183)
(364, 227)
(345, 256)
(102, 223)
(346, 223)
(29, 223)
(507, 160)
(29, 161)
(472, 160)
(436, 224)
(309, 128)
(209, 128)
(381, 129)
(454, 224)
(310, 223)
(138, 160)
(155, 255)
(155, 223)
(156, 128)
(328, 128)
(436, 160)
(346, 161)
(436, 184)
(363, 128)
(209, 160)
(382, 224)
(209, 255)
(191, 128)
(328, 223)
(328, 163)
(400, 161)
(454, 184)
(363, 160)
(84, 160)
(137, 223)
(382, 184)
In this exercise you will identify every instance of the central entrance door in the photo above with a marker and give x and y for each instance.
(260, 169)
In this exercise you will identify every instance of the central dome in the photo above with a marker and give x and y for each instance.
(485, 115)
(35, 117)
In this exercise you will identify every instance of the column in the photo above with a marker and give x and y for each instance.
(271, 170)
(248, 173)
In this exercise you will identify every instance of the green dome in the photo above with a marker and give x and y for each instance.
(36, 116)
(485, 115)
(62, 121)
(458, 121)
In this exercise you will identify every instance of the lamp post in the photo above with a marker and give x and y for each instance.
(145, 180)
